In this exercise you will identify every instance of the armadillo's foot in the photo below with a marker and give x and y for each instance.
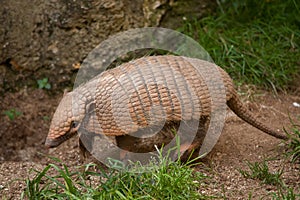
(123, 155)
(83, 151)
(187, 152)
(86, 156)
(183, 148)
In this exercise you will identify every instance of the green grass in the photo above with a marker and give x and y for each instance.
(294, 142)
(260, 170)
(162, 179)
(256, 41)
(289, 195)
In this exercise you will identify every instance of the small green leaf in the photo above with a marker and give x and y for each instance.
(48, 86)
(45, 118)
(43, 84)
(18, 113)
(12, 113)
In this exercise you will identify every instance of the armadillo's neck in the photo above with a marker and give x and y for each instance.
(82, 98)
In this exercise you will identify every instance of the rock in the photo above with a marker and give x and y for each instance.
(42, 37)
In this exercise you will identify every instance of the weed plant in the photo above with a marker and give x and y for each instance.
(160, 179)
(293, 144)
(260, 170)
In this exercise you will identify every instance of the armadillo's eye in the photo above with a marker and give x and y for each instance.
(74, 124)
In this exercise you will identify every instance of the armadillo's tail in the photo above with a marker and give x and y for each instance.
(240, 110)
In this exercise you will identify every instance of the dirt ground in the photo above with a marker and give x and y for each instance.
(21, 144)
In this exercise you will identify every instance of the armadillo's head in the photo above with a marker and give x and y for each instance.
(66, 120)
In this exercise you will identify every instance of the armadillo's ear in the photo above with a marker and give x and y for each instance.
(65, 92)
(89, 113)
(90, 107)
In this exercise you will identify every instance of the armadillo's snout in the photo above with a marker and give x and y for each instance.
(54, 140)
(50, 143)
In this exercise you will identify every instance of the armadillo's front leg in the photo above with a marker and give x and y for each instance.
(83, 151)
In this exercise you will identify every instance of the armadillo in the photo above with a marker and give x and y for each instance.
(124, 97)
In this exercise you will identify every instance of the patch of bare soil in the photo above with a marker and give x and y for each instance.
(240, 143)
(22, 142)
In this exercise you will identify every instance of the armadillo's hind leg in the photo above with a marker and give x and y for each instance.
(191, 151)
